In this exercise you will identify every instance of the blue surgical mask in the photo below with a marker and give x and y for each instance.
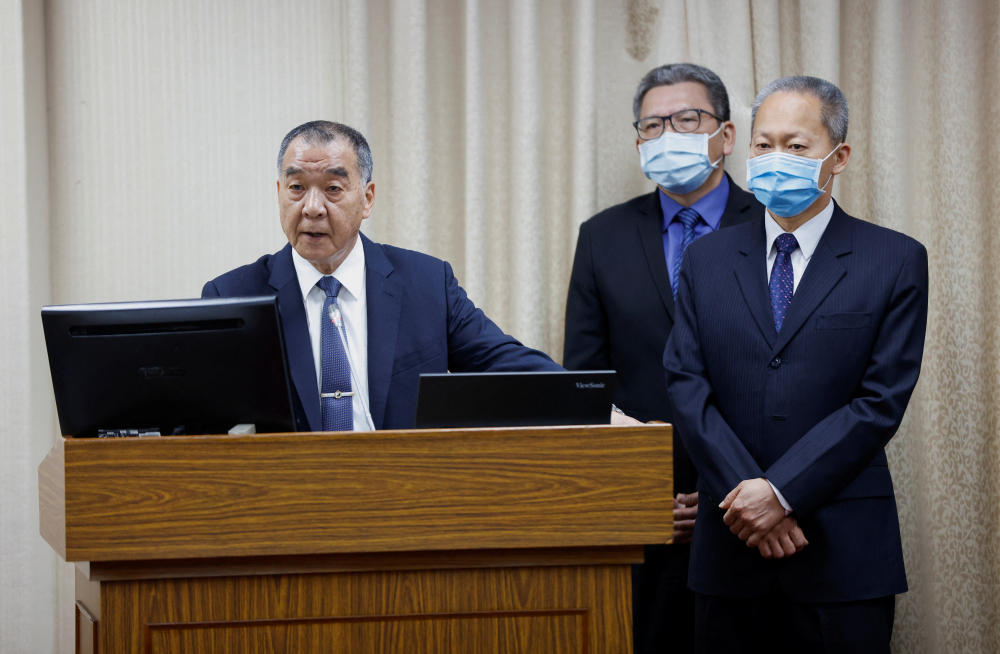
(678, 162)
(786, 184)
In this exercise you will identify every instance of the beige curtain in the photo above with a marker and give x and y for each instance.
(500, 126)
(136, 161)
(924, 80)
(490, 145)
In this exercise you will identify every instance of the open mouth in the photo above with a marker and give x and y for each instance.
(314, 235)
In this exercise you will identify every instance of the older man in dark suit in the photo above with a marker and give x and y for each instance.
(798, 343)
(403, 312)
(620, 308)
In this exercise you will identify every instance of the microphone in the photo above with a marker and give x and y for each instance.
(337, 318)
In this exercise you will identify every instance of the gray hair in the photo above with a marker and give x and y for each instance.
(675, 74)
(833, 104)
(325, 131)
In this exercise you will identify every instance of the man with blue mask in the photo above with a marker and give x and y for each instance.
(620, 308)
(797, 346)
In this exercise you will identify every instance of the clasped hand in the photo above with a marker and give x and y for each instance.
(685, 512)
(754, 513)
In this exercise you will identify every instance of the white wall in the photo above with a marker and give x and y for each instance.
(165, 120)
(28, 567)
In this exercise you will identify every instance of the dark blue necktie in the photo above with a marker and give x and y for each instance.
(689, 218)
(338, 408)
(782, 283)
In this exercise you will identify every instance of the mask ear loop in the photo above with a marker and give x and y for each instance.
(823, 190)
(710, 137)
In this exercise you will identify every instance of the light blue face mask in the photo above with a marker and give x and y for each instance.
(678, 162)
(786, 184)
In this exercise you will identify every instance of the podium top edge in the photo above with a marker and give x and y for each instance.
(387, 433)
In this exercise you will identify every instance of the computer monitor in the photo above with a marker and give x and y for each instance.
(176, 366)
(514, 399)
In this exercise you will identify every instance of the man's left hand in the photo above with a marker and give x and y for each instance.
(622, 419)
(685, 511)
(752, 510)
(783, 541)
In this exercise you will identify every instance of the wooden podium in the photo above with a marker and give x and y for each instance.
(452, 541)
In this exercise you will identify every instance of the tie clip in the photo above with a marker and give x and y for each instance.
(337, 394)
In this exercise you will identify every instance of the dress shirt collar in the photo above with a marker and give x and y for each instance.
(808, 234)
(350, 273)
(710, 208)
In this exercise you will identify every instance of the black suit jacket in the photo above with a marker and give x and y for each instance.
(810, 408)
(620, 308)
(419, 320)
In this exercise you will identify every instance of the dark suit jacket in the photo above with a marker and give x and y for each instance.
(419, 320)
(810, 408)
(620, 308)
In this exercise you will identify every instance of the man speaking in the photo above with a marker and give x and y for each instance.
(403, 313)
(797, 345)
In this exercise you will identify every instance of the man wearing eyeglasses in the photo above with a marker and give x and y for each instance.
(620, 308)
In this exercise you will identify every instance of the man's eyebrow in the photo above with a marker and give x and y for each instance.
(336, 172)
(788, 135)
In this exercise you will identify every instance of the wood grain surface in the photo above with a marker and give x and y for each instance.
(309, 563)
(52, 498)
(88, 615)
(549, 609)
(391, 491)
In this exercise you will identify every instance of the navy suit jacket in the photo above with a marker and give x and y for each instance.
(620, 307)
(419, 320)
(810, 408)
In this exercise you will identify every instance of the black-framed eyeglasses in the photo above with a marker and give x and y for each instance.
(684, 122)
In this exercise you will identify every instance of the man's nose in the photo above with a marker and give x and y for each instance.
(313, 206)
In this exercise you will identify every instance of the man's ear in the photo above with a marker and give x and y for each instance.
(369, 200)
(729, 136)
(841, 158)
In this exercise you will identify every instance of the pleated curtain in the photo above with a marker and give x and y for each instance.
(500, 126)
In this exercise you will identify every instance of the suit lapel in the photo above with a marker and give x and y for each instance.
(751, 273)
(824, 272)
(650, 227)
(296, 332)
(384, 298)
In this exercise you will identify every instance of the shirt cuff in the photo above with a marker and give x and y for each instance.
(781, 498)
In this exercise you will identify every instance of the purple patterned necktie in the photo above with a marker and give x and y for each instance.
(337, 409)
(689, 218)
(782, 283)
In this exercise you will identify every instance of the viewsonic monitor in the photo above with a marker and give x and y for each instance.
(176, 366)
(514, 399)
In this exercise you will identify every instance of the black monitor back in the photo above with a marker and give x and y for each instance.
(178, 366)
(514, 399)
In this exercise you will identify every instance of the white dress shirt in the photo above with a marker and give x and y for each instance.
(808, 235)
(354, 308)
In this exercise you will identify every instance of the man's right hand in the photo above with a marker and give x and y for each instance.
(784, 540)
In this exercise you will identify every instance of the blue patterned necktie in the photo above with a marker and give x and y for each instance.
(782, 283)
(689, 218)
(338, 409)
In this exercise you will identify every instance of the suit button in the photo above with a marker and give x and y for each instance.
(776, 363)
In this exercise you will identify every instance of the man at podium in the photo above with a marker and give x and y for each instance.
(361, 320)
